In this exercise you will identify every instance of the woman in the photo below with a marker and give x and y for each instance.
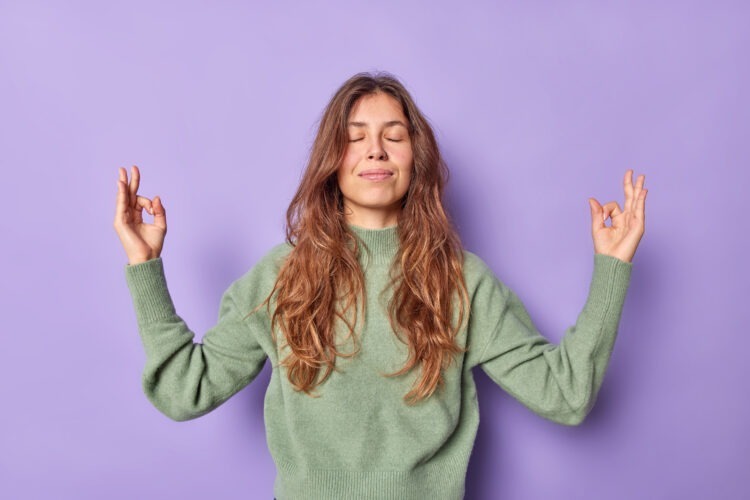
(373, 315)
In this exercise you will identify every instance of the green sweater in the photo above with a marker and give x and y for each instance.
(359, 439)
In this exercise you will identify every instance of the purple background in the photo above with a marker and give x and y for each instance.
(536, 107)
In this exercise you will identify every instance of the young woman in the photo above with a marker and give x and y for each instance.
(373, 315)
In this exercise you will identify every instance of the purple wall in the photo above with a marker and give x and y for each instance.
(536, 109)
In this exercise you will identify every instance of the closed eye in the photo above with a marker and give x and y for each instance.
(357, 140)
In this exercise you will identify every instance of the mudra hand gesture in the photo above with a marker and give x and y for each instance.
(141, 241)
(622, 237)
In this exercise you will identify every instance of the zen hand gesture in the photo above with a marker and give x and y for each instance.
(622, 237)
(141, 241)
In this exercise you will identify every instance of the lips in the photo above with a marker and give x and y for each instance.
(376, 174)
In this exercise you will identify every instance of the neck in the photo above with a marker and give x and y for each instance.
(379, 245)
(371, 219)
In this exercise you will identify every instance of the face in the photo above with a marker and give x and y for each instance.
(375, 172)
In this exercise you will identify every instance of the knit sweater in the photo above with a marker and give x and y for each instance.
(359, 439)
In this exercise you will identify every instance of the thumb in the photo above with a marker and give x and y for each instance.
(160, 214)
(597, 220)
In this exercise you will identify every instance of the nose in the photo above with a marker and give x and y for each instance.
(377, 152)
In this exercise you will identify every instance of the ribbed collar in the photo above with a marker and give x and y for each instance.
(380, 244)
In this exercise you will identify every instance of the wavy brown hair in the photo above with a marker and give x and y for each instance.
(321, 283)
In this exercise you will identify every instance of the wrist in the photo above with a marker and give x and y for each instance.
(140, 260)
(619, 257)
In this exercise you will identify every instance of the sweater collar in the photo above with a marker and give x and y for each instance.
(380, 244)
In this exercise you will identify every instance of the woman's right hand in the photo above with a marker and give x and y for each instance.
(141, 241)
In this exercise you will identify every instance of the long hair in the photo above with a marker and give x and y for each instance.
(321, 283)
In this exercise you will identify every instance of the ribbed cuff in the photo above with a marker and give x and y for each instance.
(609, 285)
(148, 288)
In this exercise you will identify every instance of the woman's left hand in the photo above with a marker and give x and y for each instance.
(622, 237)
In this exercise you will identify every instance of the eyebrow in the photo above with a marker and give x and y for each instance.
(387, 124)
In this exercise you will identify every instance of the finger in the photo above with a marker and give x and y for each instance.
(160, 214)
(611, 209)
(121, 208)
(597, 222)
(144, 202)
(123, 177)
(628, 181)
(134, 182)
(638, 187)
(640, 208)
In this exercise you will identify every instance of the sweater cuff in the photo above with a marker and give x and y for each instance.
(148, 288)
(609, 285)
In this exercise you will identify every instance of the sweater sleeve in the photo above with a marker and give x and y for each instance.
(185, 379)
(557, 382)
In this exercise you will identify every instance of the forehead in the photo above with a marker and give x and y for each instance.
(376, 109)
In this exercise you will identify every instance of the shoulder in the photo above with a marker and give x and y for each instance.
(272, 260)
(276, 256)
(475, 269)
(481, 281)
(261, 277)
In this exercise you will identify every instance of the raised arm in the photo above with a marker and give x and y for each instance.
(561, 382)
(557, 382)
(182, 378)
